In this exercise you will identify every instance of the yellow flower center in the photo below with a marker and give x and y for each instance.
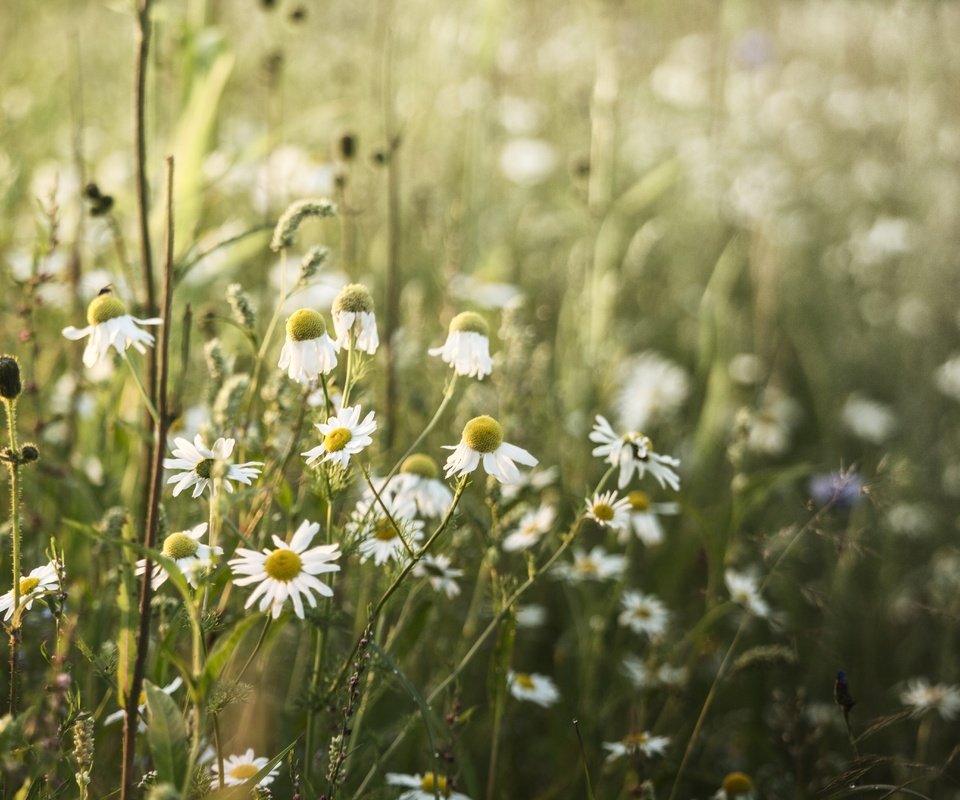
(433, 783)
(337, 439)
(737, 783)
(104, 307)
(639, 501)
(483, 434)
(523, 680)
(305, 324)
(27, 585)
(384, 530)
(283, 565)
(179, 545)
(635, 739)
(642, 612)
(421, 464)
(587, 567)
(603, 512)
(353, 297)
(470, 321)
(243, 771)
(204, 468)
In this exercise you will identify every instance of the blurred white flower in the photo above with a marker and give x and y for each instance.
(653, 388)
(770, 426)
(596, 565)
(643, 613)
(642, 743)
(645, 518)
(531, 527)
(609, 511)
(745, 592)
(442, 577)
(947, 378)
(425, 787)
(539, 689)
(527, 162)
(382, 541)
(237, 770)
(354, 319)
(531, 616)
(922, 697)
(869, 419)
(117, 716)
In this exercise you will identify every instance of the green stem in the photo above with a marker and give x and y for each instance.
(14, 468)
(143, 391)
(386, 511)
(348, 378)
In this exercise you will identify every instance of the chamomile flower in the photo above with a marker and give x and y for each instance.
(643, 613)
(203, 466)
(117, 716)
(381, 538)
(237, 770)
(40, 581)
(641, 743)
(308, 351)
(442, 577)
(633, 452)
(191, 557)
(424, 787)
(419, 479)
(110, 326)
(287, 572)
(354, 320)
(643, 677)
(735, 786)
(609, 511)
(744, 591)
(467, 348)
(645, 518)
(921, 697)
(482, 440)
(539, 689)
(593, 566)
(532, 526)
(344, 435)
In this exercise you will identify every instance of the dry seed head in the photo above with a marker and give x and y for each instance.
(286, 230)
(483, 434)
(353, 297)
(421, 464)
(469, 322)
(104, 307)
(305, 324)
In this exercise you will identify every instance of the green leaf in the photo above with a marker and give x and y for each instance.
(224, 649)
(167, 736)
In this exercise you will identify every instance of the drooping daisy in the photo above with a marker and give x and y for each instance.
(442, 577)
(593, 566)
(354, 320)
(532, 526)
(735, 786)
(117, 716)
(110, 326)
(609, 511)
(633, 452)
(645, 518)
(539, 689)
(641, 743)
(40, 581)
(286, 572)
(308, 351)
(202, 466)
(381, 538)
(643, 677)
(419, 479)
(467, 348)
(344, 435)
(192, 558)
(424, 787)
(643, 613)
(922, 697)
(744, 591)
(482, 439)
(237, 770)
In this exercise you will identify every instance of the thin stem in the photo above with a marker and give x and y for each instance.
(14, 468)
(143, 391)
(386, 511)
(348, 378)
(267, 336)
(256, 649)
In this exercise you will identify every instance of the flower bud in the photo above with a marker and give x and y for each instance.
(10, 386)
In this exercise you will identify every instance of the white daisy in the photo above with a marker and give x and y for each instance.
(922, 697)
(645, 518)
(770, 427)
(110, 326)
(539, 689)
(382, 542)
(343, 436)
(642, 743)
(424, 787)
(532, 526)
(287, 572)
(354, 320)
(608, 511)
(735, 786)
(438, 571)
(40, 581)
(643, 677)
(192, 558)
(654, 388)
(419, 479)
(202, 466)
(237, 770)
(116, 716)
(744, 591)
(869, 419)
(308, 350)
(467, 348)
(633, 452)
(643, 613)
(593, 566)
(482, 439)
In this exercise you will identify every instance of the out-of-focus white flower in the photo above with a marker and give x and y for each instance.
(442, 577)
(744, 591)
(354, 320)
(527, 162)
(237, 770)
(596, 565)
(531, 616)
(869, 419)
(633, 743)
(117, 716)
(735, 786)
(910, 519)
(746, 369)
(771, 425)
(633, 452)
(382, 541)
(644, 678)
(947, 377)
(467, 348)
(539, 689)
(645, 518)
(482, 440)
(425, 787)
(532, 526)
(922, 697)
(643, 613)
(653, 388)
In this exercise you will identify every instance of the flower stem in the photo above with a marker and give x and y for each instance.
(14, 468)
(143, 390)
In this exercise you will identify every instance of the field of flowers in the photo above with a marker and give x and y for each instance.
(485, 401)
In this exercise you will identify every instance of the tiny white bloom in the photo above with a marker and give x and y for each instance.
(642, 743)
(531, 616)
(467, 348)
(609, 511)
(532, 526)
(922, 697)
(643, 613)
(286, 572)
(202, 466)
(869, 419)
(442, 577)
(116, 716)
(110, 326)
(744, 591)
(237, 770)
(735, 786)
(344, 435)
(633, 452)
(381, 539)
(539, 689)
(191, 557)
(424, 787)
(482, 440)
(643, 677)
(308, 351)
(419, 479)
(354, 320)
(593, 566)
(947, 377)
(40, 581)
(654, 388)
(645, 518)
(769, 427)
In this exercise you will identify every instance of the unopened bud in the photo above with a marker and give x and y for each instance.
(10, 385)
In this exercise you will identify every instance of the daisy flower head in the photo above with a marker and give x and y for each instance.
(381, 538)
(287, 572)
(442, 577)
(609, 511)
(735, 786)
(643, 677)
(419, 479)
(539, 689)
(482, 440)
(308, 351)
(191, 557)
(354, 320)
(922, 697)
(643, 613)
(467, 348)
(593, 566)
(117, 716)
(641, 743)
(745, 592)
(654, 388)
(424, 787)
(109, 325)
(633, 452)
(237, 770)
(203, 466)
(645, 518)
(41, 581)
(344, 435)
(532, 526)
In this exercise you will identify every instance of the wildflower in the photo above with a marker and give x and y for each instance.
(308, 351)
(921, 697)
(531, 527)
(743, 590)
(642, 677)
(769, 428)
(654, 388)
(286, 572)
(947, 377)
(593, 566)
(645, 518)
(483, 439)
(237, 770)
(40, 581)
(110, 326)
(419, 479)
(839, 489)
(643, 613)
(538, 689)
(467, 348)
(633, 452)
(343, 436)
(354, 320)
(735, 786)
(608, 511)
(383, 540)
(868, 419)
(425, 787)
(531, 616)
(204, 466)
(191, 557)
(641, 743)
(116, 716)
(441, 576)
